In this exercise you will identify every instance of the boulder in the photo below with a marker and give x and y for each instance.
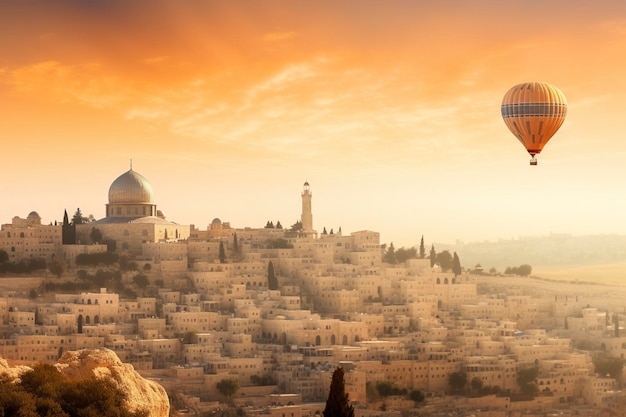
(141, 393)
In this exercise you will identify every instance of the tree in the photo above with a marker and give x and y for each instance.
(338, 402)
(141, 281)
(526, 379)
(227, 387)
(95, 235)
(14, 400)
(111, 245)
(390, 255)
(433, 256)
(524, 270)
(477, 384)
(387, 388)
(444, 260)
(403, 254)
(56, 267)
(272, 281)
(222, 254)
(296, 226)
(4, 256)
(605, 364)
(417, 396)
(78, 217)
(456, 265)
(190, 337)
(422, 248)
(457, 380)
(236, 248)
(279, 243)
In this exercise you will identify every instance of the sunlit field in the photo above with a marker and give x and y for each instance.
(612, 274)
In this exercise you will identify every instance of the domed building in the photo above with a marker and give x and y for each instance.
(132, 218)
(131, 195)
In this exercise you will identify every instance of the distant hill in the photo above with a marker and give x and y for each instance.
(544, 251)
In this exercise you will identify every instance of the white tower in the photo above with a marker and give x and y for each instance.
(307, 212)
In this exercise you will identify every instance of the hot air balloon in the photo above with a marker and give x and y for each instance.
(533, 112)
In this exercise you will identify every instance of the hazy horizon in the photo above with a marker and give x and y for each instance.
(390, 110)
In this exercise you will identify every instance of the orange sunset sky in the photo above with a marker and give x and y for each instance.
(389, 109)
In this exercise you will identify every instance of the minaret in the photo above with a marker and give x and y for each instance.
(307, 212)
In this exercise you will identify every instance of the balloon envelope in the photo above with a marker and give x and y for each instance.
(533, 112)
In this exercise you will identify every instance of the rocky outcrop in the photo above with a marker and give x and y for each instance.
(141, 394)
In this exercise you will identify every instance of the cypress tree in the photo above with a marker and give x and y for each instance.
(272, 281)
(433, 256)
(422, 248)
(338, 403)
(456, 265)
(222, 254)
(235, 245)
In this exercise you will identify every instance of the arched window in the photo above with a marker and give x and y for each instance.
(318, 340)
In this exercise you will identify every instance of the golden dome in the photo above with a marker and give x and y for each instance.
(131, 188)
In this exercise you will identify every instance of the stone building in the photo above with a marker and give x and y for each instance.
(29, 239)
(132, 217)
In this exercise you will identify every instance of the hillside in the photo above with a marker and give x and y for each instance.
(546, 252)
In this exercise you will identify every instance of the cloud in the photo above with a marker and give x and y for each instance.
(323, 105)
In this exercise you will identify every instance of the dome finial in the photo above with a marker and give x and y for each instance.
(131, 164)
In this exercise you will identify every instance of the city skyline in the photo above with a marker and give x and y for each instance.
(391, 111)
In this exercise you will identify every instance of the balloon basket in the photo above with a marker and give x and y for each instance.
(533, 161)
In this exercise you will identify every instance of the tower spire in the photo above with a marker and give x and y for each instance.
(307, 211)
(131, 164)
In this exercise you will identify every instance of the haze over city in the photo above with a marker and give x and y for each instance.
(390, 110)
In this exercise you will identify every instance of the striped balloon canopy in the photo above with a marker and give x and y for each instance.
(533, 112)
